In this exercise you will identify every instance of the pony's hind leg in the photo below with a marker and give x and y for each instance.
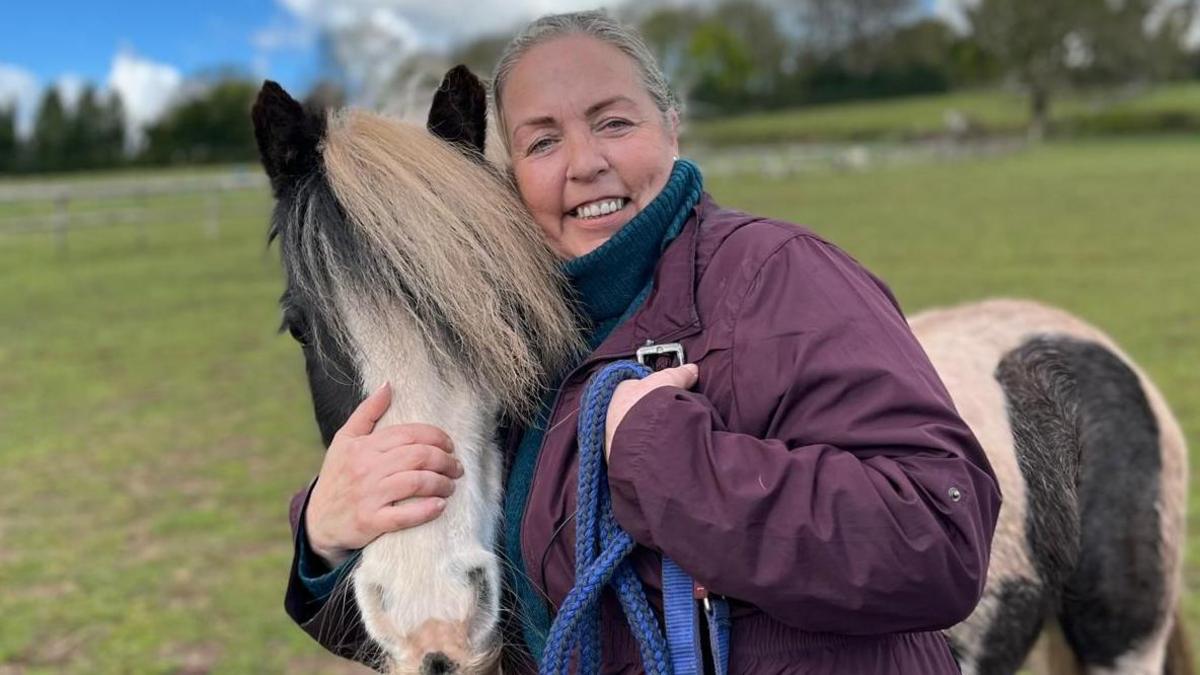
(997, 637)
(1116, 605)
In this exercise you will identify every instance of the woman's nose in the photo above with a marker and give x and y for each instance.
(586, 160)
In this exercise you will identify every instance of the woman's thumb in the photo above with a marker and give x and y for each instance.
(362, 421)
(682, 376)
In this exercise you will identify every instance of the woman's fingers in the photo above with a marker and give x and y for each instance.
(409, 484)
(362, 421)
(397, 435)
(410, 513)
(630, 392)
(419, 457)
(681, 376)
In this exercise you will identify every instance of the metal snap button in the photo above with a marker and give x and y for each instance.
(955, 494)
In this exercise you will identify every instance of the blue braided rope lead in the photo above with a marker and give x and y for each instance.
(601, 548)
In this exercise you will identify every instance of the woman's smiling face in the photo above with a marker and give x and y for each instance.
(588, 146)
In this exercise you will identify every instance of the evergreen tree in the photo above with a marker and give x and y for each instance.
(51, 131)
(213, 125)
(82, 151)
(8, 138)
(110, 131)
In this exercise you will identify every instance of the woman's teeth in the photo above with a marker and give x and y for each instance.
(600, 208)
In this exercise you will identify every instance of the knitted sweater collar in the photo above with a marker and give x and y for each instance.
(613, 279)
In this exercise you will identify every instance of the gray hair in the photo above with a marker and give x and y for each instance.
(594, 23)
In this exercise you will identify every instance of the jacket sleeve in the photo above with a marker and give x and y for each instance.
(332, 619)
(859, 502)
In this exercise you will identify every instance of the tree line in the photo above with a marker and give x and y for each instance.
(723, 58)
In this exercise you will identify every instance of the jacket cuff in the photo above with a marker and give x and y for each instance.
(311, 581)
(314, 573)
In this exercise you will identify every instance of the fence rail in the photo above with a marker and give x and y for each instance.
(58, 207)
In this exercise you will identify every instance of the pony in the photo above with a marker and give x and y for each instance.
(408, 259)
(1092, 465)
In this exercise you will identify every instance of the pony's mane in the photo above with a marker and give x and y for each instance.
(444, 241)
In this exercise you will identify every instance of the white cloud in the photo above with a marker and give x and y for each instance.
(373, 40)
(430, 24)
(146, 88)
(19, 87)
(70, 88)
(953, 12)
(279, 36)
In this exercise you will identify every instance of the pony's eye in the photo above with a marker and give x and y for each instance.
(298, 333)
(295, 324)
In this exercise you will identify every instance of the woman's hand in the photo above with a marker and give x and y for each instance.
(375, 481)
(630, 392)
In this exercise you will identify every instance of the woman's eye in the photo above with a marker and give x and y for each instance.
(539, 145)
(614, 123)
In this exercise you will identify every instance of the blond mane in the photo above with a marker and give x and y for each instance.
(445, 240)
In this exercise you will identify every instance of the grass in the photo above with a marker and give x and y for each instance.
(153, 426)
(988, 111)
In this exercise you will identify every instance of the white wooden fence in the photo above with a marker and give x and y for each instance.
(62, 206)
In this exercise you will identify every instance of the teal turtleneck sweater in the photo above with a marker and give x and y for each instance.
(610, 283)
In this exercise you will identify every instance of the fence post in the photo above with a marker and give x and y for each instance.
(62, 221)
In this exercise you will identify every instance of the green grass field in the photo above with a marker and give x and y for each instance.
(153, 425)
(989, 111)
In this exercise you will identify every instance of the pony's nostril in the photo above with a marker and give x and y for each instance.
(437, 663)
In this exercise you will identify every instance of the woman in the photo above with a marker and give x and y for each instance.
(807, 463)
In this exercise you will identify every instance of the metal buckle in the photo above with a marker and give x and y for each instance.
(651, 350)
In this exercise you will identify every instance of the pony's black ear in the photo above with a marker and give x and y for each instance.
(459, 111)
(287, 135)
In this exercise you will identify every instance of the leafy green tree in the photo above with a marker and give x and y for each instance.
(852, 32)
(1047, 45)
(668, 31)
(720, 64)
(767, 50)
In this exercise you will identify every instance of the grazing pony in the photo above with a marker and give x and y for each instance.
(409, 260)
(1093, 470)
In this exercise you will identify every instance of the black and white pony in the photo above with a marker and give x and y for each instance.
(408, 260)
(1093, 470)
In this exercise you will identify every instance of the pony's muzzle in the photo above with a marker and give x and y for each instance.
(436, 640)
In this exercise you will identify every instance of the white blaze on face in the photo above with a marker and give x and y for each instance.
(420, 589)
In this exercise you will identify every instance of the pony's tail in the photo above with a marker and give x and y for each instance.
(1178, 660)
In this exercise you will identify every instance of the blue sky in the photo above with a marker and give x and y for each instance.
(190, 35)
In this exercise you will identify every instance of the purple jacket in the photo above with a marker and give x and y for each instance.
(808, 476)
